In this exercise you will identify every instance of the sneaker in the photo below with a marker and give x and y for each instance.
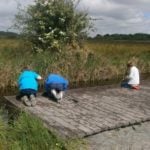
(26, 101)
(59, 96)
(53, 92)
(59, 100)
(137, 87)
(33, 100)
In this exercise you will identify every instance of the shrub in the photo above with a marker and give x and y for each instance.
(52, 24)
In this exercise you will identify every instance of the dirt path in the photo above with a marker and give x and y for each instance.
(135, 137)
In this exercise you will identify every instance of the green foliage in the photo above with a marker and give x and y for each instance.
(3, 126)
(124, 37)
(28, 133)
(11, 35)
(104, 60)
(52, 24)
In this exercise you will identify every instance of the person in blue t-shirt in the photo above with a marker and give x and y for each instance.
(55, 86)
(28, 86)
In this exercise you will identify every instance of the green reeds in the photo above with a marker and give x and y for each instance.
(96, 61)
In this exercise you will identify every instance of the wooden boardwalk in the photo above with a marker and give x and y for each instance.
(87, 111)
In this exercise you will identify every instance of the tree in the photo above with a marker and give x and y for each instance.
(51, 24)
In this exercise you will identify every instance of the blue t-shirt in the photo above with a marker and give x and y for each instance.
(56, 79)
(28, 80)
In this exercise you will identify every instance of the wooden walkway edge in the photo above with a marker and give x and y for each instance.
(87, 111)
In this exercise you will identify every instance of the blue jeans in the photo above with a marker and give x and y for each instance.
(27, 92)
(125, 85)
(58, 87)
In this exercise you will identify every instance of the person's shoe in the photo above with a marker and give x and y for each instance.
(60, 96)
(26, 101)
(54, 93)
(59, 100)
(33, 100)
(137, 87)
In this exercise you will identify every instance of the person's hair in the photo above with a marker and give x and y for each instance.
(27, 67)
(129, 63)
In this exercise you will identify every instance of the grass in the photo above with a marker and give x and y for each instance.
(113, 56)
(28, 133)
(118, 53)
(96, 61)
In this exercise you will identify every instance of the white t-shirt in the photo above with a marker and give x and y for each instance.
(134, 77)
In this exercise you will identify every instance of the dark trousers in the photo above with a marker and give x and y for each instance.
(53, 86)
(26, 92)
(125, 85)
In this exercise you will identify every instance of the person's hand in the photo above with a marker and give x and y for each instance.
(39, 78)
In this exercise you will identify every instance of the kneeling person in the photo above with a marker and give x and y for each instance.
(55, 86)
(28, 86)
(132, 78)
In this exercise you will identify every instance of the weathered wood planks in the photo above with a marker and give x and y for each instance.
(87, 111)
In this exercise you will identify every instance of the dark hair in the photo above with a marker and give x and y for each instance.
(27, 67)
(130, 63)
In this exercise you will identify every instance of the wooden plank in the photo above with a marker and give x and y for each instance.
(87, 111)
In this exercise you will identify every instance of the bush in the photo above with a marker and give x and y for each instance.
(52, 24)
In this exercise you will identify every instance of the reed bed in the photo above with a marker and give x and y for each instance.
(96, 61)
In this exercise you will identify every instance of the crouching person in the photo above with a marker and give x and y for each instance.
(55, 86)
(132, 78)
(28, 86)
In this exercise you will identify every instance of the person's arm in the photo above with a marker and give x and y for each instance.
(19, 79)
(39, 77)
(131, 73)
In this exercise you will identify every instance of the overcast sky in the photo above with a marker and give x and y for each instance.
(116, 16)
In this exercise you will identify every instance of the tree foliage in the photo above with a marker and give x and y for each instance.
(131, 37)
(51, 24)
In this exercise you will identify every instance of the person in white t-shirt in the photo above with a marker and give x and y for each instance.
(132, 79)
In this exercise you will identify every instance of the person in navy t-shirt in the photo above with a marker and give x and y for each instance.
(28, 86)
(55, 86)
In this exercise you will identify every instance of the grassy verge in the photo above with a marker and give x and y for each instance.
(28, 133)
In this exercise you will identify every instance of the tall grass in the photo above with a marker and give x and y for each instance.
(28, 133)
(118, 53)
(3, 134)
(96, 61)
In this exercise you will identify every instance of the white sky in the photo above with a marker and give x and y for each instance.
(116, 16)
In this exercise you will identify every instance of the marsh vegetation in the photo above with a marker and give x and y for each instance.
(94, 62)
